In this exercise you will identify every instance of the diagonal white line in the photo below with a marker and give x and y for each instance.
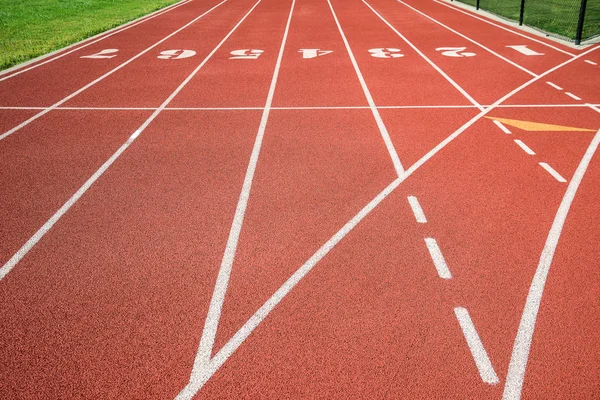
(259, 316)
(525, 148)
(92, 40)
(382, 129)
(470, 40)
(77, 92)
(419, 52)
(506, 29)
(553, 172)
(211, 324)
(18, 256)
(522, 345)
(438, 258)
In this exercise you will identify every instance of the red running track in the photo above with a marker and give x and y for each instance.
(318, 199)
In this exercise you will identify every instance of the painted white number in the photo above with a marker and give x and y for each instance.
(455, 52)
(386, 52)
(523, 49)
(246, 54)
(176, 54)
(103, 54)
(313, 53)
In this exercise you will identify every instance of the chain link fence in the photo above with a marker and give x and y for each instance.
(574, 20)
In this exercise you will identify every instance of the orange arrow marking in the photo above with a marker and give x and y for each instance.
(538, 127)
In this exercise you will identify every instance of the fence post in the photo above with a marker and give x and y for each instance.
(522, 12)
(477, 5)
(580, 22)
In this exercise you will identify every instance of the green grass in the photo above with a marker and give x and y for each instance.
(30, 28)
(553, 16)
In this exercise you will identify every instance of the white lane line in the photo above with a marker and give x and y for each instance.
(69, 97)
(100, 37)
(506, 29)
(525, 148)
(423, 56)
(555, 86)
(590, 62)
(417, 210)
(382, 129)
(571, 95)
(502, 127)
(438, 258)
(202, 360)
(482, 361)
(14, 260)
(522, 345)
(553, 172)
(259, 316)
(471, 40)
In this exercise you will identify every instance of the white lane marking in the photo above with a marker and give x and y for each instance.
(94, 39)
(555, 86)
(571, 95)
(259, 316)
(590, 62)
(506, 29)
(482, 361)
(69, 97)
(314, 53)
(553, 172)
(417, 210)
(502, 127)
(102, 54)
(522, 345)
(382, 129)
(471, 40)
(14, 260)
(523, 49)
(205, 348)
(424, 57)
(438, 258)
(525, 148)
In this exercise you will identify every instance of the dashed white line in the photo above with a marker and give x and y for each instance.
(502, 127)
(482, 360)
(438, 259)
(590, 62)
(555, 86)
(525, 148)
(417, 210)
(552, 172)
(571, 95)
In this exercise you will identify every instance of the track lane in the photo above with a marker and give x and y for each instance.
(483, 76)
(49, 83)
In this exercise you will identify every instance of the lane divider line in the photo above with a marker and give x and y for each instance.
(506, 29)
(203, 356)
(423, 56)
(33, 240)
(417, 210)
(438, 258)
(482, 360)
(514, 64)
(552, 172)
(555, 86)
(77, 92)
(522, 345)
(590, 62)
(268, 306)
(525, 148)
(95, 39)
(380, 124)
(571, 95)
(502, 127)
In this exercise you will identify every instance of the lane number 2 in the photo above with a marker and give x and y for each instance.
(103, 54)
(386, 52)
(455, 52)
(246, 54)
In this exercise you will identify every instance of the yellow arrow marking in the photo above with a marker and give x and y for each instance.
(536, 126)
